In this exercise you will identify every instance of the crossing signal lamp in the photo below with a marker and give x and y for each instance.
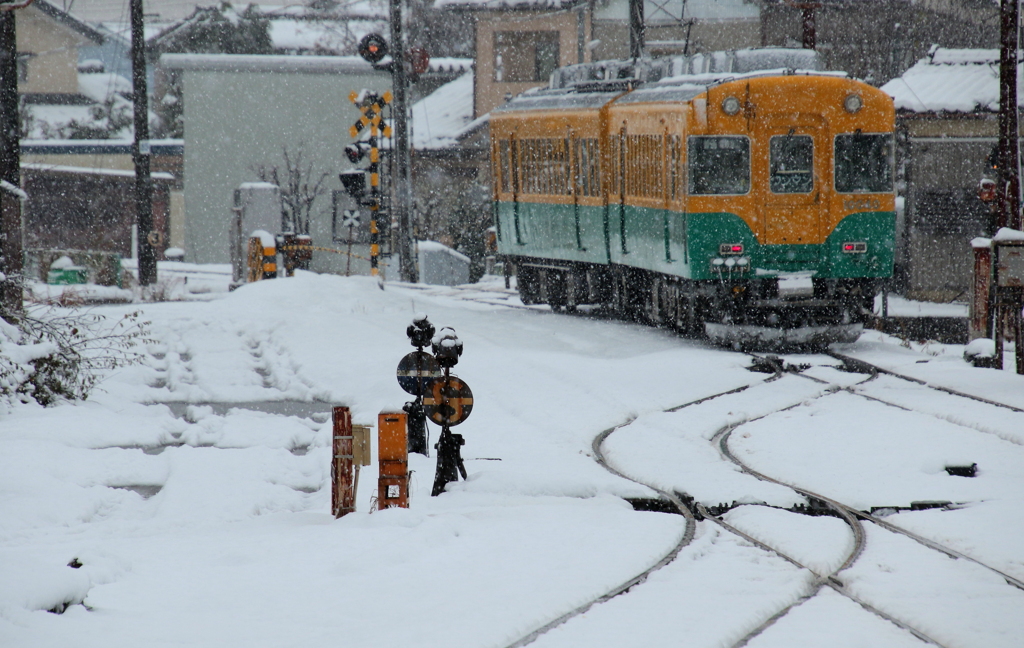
(373, 48)
(420, 331)
(357, 151)
(354, 182)
(447, 348)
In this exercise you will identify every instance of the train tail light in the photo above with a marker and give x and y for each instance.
(729, 249)
(855, 247)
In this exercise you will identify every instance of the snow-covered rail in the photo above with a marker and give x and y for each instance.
(850, 514)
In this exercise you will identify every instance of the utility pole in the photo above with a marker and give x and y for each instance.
(1008, 190)
(808, 22)
(11, 262)
(400, 110)
(147, 238)
(636, 29)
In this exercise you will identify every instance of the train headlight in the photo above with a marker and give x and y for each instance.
(730, 262)
(730, 105)
(717, 262)
(853, 103)
(855, 247)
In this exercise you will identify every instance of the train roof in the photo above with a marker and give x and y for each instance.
(589, 86)
(673, 89)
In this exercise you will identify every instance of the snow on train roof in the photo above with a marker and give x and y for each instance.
(663, 94)
(561, 99)
(671, 89)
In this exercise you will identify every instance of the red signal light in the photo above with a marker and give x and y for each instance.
(373, 48)
(730, 248)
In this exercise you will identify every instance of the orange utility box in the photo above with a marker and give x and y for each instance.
(393, 455)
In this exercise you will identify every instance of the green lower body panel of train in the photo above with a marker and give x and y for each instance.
(862, 246)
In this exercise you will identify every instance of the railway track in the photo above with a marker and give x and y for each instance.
(849, 514)
(852, 517)
(876, 386)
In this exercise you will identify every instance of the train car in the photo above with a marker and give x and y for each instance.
(756, 208)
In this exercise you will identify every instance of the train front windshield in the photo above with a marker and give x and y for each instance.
(864, 163)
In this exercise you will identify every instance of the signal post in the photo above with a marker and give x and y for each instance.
(371, 105)
(441, 397)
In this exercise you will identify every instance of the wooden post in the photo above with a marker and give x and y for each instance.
(979, 316)
(393, 456)
(343, 492)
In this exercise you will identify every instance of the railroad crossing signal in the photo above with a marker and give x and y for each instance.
(448, 402)
(373, 48)
(371, 105)
(417, 371)
(350, 218)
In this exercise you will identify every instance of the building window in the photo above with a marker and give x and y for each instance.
(525, 56)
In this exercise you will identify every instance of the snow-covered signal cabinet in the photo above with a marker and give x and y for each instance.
(1010, 258)
(257, 207)
(260, 203)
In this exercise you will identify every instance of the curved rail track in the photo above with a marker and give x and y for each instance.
(852, 517)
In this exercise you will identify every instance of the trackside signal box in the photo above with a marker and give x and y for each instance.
(393, 457)
(361, 445)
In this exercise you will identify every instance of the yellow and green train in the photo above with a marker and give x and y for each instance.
(750, 207)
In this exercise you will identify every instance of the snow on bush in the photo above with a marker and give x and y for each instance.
(53, 354)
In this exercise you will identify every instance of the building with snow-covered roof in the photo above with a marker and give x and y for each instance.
(244, 111)
(947, 116)
(88, 208)
(451, 170)
(48, 40)
(519, 43)
(877, 40)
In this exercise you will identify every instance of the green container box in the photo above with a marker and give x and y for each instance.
(71, 275)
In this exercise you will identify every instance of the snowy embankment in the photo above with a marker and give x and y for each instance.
(213, 528)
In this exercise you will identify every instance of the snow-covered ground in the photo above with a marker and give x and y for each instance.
(200, 522)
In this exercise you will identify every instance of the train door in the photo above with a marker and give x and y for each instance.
(792, 185)
(621, 183)
(575, 153)
(514, 154)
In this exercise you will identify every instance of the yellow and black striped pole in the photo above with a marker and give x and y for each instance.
(374, 199)
(371, 117)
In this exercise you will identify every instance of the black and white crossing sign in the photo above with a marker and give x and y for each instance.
(350, 218)
(417, 371)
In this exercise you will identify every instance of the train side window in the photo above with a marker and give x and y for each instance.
(544, 166)
(674, 171)
(864, 163)
(718, 164)
(588, 179)
(504, 162)
(791, 163)
(644, 171)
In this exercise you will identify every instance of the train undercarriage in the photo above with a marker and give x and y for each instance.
(755, 313)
